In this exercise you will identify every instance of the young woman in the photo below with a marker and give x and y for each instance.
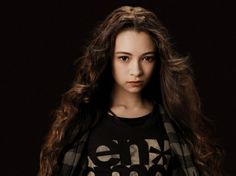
(133, 108)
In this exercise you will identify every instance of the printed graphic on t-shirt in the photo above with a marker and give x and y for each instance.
(125, 157)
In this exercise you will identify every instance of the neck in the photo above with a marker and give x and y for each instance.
(126, 100)
(126, 104)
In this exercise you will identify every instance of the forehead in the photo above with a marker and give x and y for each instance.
(134, 42)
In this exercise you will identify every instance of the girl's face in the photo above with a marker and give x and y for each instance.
(133, 61)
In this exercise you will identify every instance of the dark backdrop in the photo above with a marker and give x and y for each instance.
(44, 38)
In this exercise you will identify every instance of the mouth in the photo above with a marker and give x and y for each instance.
(135, 83)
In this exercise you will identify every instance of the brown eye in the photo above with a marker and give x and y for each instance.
(124, 58)
(149, 58)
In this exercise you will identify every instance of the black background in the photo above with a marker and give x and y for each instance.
(44, 38)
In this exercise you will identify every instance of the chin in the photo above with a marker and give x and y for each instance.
(134, 90)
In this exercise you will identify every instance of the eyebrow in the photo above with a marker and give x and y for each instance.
(123, 52)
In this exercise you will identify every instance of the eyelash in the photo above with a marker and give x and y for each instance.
(122, 58)
(147, 58)
(150, 58)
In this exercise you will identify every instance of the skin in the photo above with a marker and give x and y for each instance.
(133, 60)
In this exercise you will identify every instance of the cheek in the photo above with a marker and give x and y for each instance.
(149, 70)
(118, 70)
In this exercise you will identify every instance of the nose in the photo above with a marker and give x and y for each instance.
(135, 69)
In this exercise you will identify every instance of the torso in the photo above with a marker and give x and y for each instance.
(129, 147)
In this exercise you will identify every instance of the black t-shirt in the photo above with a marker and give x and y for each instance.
(121, 146)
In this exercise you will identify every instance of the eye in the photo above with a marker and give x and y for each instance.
(124, 58)
(149, 58)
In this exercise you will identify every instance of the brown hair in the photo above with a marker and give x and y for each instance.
(172, 85)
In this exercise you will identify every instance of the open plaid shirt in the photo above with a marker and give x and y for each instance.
(74, 162)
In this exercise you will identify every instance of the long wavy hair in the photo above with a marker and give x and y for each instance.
(172, 85)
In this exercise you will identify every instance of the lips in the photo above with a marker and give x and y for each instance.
(135, 83)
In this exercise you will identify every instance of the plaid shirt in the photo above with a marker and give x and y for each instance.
(75, 160)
